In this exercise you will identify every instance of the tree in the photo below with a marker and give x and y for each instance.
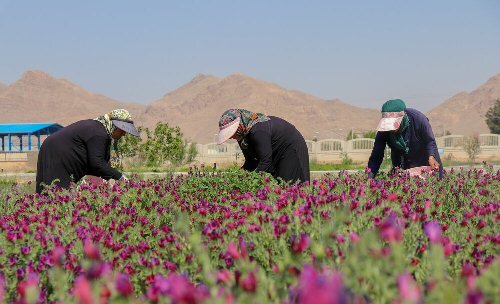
(493, 118)
(472, 147)
(191, 151)
(129, 145)
(164, 144)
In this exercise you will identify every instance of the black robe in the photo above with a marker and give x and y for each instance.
(419, 138)
(82, 148)
(277, 147)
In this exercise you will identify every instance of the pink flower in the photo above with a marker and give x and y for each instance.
(433, 231)
(301, 243)
(354, 237)
(82, 291)
(223, 276)
(467, 269)
(123, 285)
(58, 255)
(408, 289)
(2, 287)
(316, 288)
(390, 229)
(25, 250)
(232, 250)
(91, 251)
(249, 284)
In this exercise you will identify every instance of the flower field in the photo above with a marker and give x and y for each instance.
(242, 237)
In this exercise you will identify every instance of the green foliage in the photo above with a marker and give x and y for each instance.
(472, 147)
(129, 146)
(370, 134)
(493, 118)
(351, 135)
(346, 159)
(191, 152)
(163, 145)
(189, 222)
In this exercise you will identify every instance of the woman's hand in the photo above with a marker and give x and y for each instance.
(433, 163)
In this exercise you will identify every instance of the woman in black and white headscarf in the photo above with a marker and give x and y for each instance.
(82, 148)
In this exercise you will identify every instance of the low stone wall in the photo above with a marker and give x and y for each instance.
(18, 161)
(359, 150)
(323, 151)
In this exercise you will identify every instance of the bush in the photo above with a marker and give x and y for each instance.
(472, 147)
(493, 118)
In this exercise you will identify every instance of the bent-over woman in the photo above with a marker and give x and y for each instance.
(269, 144)
(82, 148)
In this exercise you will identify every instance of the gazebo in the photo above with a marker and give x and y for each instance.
(8, 132)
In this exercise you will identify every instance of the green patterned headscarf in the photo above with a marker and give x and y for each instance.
(248, 119)
(396, 137)
(106, 121)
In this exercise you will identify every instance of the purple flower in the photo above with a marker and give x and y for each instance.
(319, 288)
(2, 287)
(390, 229)
(433, 231)
(25, 250)
(123, 285)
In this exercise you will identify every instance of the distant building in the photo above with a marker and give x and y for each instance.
(24, 137)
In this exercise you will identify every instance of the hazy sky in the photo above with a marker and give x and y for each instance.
(362, 52)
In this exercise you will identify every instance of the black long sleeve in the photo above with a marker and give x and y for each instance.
(377, 155)
(261, 143)
(250, 161)
(96, 154)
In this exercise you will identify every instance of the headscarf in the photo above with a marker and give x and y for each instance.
(396, 137)
(106, 121)
(248, 119)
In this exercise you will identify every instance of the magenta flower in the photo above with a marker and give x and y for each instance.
(391, 230)
(2, 288)
(300, 243)
(58, 255)
(316, 288)
(408, 289)
(91, 251)
(249, 284)
(354, 237)
(83, 291)
(223, 276)
(25, 250)
(433, 231)
(123, 285)
(233, 251)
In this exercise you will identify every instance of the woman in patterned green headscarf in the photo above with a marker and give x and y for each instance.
(269, 144)
(409, 135)
(82, 148)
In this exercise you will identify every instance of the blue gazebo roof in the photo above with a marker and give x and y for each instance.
(46, 128)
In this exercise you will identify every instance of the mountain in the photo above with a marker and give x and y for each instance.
(2, 87)
(39, 97)
(197, 106)
(465, 112)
